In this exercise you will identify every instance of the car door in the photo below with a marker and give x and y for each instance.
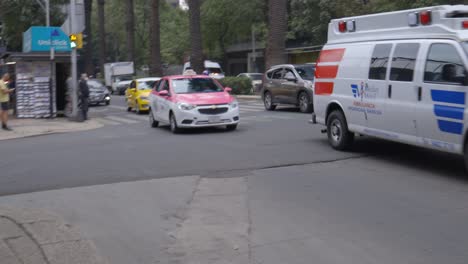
(376, 90)
(441, 108)
(289, 86)
(161, 105)
(130, 94)
(273, 84)
(399, 109)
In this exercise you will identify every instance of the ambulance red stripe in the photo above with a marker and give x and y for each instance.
(323, 88)
(331, 55)
(328, 72)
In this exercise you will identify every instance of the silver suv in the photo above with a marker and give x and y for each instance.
(289, 84)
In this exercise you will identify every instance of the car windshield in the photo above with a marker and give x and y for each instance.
(195, 85)
(306, 72)
(144, 85)
(255, 76)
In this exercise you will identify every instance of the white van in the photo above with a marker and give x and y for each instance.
(400, 76)
(214, 69)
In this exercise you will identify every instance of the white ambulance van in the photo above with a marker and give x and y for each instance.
(400, 76)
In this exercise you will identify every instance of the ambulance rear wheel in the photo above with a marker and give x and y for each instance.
(339, 137)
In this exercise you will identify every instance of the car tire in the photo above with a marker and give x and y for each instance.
(107, 102)
(304, 102)
(153, 122)
(339, 137)
(173, 124)
(231, 127)
(129, 109)
(268, 101)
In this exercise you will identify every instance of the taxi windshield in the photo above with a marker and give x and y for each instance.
(195, 85)
(145, 85)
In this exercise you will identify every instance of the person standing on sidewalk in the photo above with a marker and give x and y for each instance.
(4, 101)
(84, 95)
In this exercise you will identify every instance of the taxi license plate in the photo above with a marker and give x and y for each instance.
(214, 119)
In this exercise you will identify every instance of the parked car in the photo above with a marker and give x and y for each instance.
(192, 101)
(289, 84)
(213, 68)
(137, 94)
(256, 80)
(98, 92)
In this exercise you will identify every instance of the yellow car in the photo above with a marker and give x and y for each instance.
(137, 94)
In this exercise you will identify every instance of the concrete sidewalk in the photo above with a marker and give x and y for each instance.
(35, 127)
(38, 237)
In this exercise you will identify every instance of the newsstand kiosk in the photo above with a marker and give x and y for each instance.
(39, 74)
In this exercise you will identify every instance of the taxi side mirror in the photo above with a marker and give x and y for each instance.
(164, 93)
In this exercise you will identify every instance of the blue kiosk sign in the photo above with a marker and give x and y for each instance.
(42, 39)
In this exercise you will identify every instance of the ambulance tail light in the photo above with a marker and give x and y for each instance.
(342, 26)
(425, 17)
(465, 24)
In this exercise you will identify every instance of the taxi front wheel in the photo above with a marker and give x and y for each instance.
(339, 137)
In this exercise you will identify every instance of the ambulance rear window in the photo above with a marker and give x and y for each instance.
(379, 62)
(403, 62)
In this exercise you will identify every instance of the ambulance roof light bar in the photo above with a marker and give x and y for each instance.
(347, 26)
(420, 18)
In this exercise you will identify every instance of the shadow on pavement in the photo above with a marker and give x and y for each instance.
(440, 163)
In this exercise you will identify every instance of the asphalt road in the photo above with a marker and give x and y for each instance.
(306, 203)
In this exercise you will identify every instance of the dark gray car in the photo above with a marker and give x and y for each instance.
(289, 84)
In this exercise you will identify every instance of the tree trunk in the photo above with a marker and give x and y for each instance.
(130, 31)
(277, 28)
(155, 65)
(88, 49)
(102, 36)
(196, 56)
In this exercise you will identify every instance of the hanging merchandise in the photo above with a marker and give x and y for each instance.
(33, 90)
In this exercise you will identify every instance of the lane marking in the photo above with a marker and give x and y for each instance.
(117, 107)
(135, 116)
(106, 121)
(121, 119)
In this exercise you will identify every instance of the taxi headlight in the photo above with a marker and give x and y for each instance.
(186, 107)
(234, 104)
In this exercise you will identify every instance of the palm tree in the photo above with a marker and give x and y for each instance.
(102, 35)
(155, 64)
(277, 28)
(130, 30)
(88, 49)
(196, 55)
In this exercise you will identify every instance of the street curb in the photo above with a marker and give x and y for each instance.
(36, 236)
(57, 131)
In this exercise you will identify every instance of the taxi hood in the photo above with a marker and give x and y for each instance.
(205, 98)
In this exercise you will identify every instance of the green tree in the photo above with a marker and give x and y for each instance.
(88, 32)
(196, 54)
(277, 29)
(102, 35)
(155, 64)
(19, 15)
(226, 22)
(130, 26)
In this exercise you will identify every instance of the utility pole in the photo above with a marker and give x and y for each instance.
(74, 73)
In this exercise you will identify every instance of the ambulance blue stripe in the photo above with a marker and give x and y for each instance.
(448, 97)
(449, 111)
(450, 127)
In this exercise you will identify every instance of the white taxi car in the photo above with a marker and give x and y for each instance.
(192, 101)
